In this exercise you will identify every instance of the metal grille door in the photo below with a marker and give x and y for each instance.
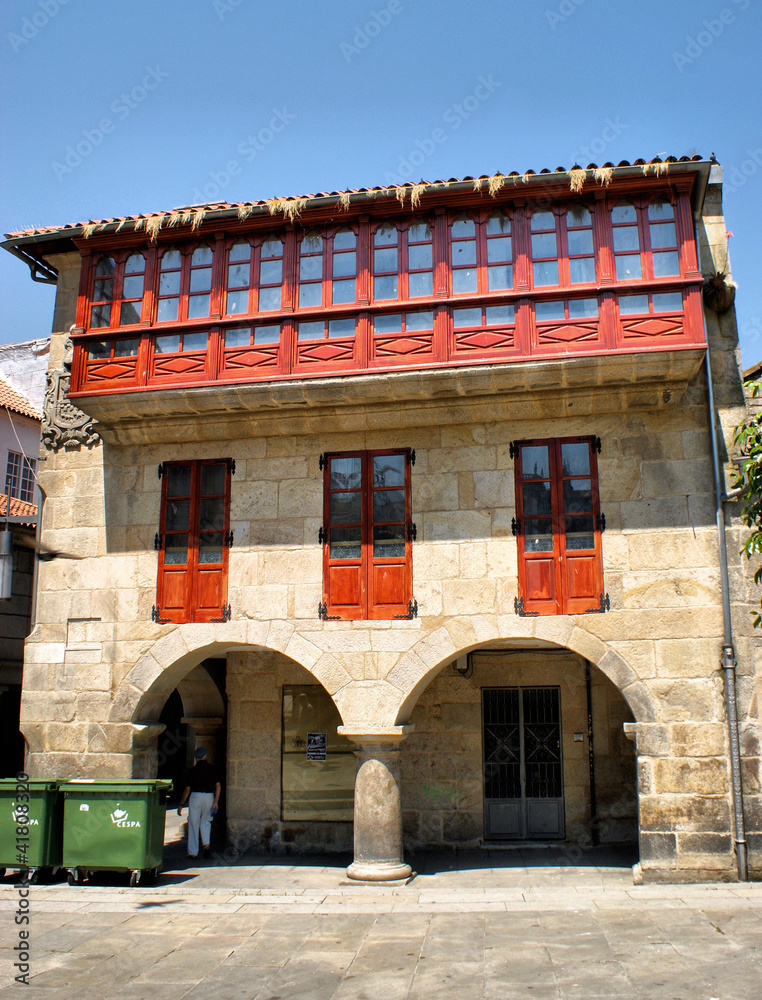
(523, 778)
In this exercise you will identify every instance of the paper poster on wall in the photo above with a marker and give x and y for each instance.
(317, 746)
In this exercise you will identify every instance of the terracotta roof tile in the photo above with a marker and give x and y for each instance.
(19, 508)
(16, 401)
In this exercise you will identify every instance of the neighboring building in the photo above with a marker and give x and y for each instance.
(402, 501)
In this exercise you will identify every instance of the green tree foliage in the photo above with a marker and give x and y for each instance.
(748, 436)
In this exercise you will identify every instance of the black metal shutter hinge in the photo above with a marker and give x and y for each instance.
(162, 469)
(600, 522)
(231, 466)
(513, 449)
(226, 613)
(596, 444)
(324, 616)
(410, 456)
(157, 540)
(515, 526)
(605, 605)
(518, 607)
(156, 616)
(322, 535)
(229, 539)
(323, 462)
(412, 532)
(412, 610)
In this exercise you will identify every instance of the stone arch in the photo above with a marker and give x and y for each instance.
(423, 662)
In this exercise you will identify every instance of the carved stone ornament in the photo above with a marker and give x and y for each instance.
(63, 425)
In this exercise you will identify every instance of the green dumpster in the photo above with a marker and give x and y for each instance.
(114, 826)
(30, 825)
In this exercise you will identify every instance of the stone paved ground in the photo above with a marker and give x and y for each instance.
(491, 925)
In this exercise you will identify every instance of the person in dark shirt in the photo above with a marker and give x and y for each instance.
(203, 795)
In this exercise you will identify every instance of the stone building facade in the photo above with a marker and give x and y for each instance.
(484, 679)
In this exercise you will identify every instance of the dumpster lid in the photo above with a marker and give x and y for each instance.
(38, 784)
(111, 785)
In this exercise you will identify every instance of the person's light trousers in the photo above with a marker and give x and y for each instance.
(199, 819)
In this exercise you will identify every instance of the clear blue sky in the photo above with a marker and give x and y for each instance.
(245, 99)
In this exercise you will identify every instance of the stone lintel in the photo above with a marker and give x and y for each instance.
(382, 736)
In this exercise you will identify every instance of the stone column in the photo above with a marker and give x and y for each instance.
(378, 810)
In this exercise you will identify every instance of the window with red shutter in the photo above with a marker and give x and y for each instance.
(559, 527)
(193, 541)
(367, 563)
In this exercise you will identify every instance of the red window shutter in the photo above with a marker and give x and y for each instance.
(345, 520)
(210, 553)
(388, 547)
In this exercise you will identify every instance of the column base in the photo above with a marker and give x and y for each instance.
(379, 871)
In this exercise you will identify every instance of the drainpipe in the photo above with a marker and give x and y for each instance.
(728, 660)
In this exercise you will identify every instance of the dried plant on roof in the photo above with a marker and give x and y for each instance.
(344, 200)
(139, 223)
(603, 175)
(153, 226)
(400, 191)
(122, 223)
(656, 167)
(577, 179)
(495, 183)
(290, 207)
(186, 216)
(526, 175)
(198, 217)
(244, 211)
(89, 229)
(415, 194)
(479, 183)
(174, 217)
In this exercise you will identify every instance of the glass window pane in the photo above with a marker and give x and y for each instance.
(272, 247)
(387, 323)
(578, 215)
(384, 236)
(312, 243)
(98, 349)
(420, 283)
(418, 232)
(537, 498)
(632, 304)
(500, 277)
(201, 279)
(169, 344)
(580, 241)
(660, 210)
(463, 281)
(419, 256)
(546, 273)
(626, 238)
(311, 331)
(666, 264)
(464, 253)
(210, 547)
(385, 287)
(419, 321)
(623, 212)
(100, 316)
(498, 223)
(385, 260)
(346, 508)
(463, 228)
(549, 310)
(133, 287)
(466, 317)
(167, 310)
(575, 458)
(103, 291)
(201, 255)
(343, 291)
(178, 480)
(578, 497)
(310, 295)
(237, 302)
(580, 308)
(388, 505)
(388, 470)
(126, 348)
(310, 268)
(345, 543)
(389, 541)
(345, 239)
(271, 271)
(267, 334)
(663, 235)
(534, 461)
(269, 298)
(212, 513)
(178, 515)
(238, 338)
(129, 313)
(341, 327)
(212, 483)
(195, 341)
(499, 249)
(344, 264)
(175, 550)
(581, 270)
(579, 533)
(169, 284)
(345, 473)
(240, 251)
(500, 315)
(543, 220)
(538, 535)
(171, 259)
(198, 305)
(667, 302)
(106, 266)
(628, 267)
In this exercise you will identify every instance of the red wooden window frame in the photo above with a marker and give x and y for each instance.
(477, 251)
(194, 590)
(557, 574)
(191, 283)
(570, 230)
(115, 283)
(331, 267)
(655, 220)
(363, 585)
(390, 261)
(250, 268)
